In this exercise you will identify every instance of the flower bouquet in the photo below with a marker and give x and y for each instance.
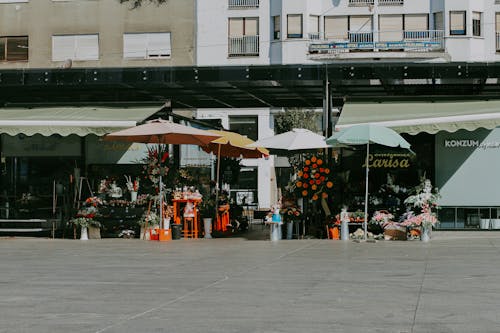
(291, 213)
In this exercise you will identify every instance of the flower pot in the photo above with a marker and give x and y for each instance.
(133, 196)
(425, 235)
(207, 226)
(83, 234)
(289, 229)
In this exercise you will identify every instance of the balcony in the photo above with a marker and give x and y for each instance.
(244, 46)
(381, 41)
(240, 4)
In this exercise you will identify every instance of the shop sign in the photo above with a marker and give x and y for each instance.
(468, 143)
(389, 161)
(39, 145)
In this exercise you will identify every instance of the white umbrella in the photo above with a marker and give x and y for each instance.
(296, 140)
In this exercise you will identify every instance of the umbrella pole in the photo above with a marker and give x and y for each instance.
(366, 189)
(217, 184)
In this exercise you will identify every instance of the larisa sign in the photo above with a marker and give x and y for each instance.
(391, 161)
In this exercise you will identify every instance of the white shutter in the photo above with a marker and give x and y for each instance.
(314, 24)
(336, 27)
(235, 27)
(360, 24)
(158, 45)
(294, 26)
(497, 22)
(390, 28)
(63, 48)
(87, 47)
(457, 22)
(251, 26)
(134, 46)
(416, 22)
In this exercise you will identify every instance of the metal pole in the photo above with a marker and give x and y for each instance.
(366, 189)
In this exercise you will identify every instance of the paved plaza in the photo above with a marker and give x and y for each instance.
(451, 284)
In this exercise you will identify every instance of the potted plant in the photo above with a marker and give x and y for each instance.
(149, 221)
(84, 222)
(85, 219)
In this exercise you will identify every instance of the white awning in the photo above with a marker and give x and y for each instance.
(70, 120)
(414, 118)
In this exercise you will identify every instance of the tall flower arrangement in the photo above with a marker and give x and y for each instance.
(155, 165)
(313, 179)
(425, 198)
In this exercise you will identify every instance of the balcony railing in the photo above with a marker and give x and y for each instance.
(402, 40)
(391, 2)
(243, 46)
(498, 41)
(361, 2)
(234, 4)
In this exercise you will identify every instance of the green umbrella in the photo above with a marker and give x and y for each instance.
(364, 134)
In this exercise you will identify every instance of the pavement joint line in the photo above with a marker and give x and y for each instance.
(420, 291)
(158, 307)
(225, 278)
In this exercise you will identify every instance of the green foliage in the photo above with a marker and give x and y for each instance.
(138, 3)
(296, 118)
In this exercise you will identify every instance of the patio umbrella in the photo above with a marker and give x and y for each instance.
(296, 140)
(161, 131)
(364, 134)
(230, 144)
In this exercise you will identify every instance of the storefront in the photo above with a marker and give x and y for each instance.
(457, 147)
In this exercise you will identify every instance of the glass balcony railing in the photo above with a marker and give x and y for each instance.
(243, 46)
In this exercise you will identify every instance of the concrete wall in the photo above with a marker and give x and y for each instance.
(40, 19)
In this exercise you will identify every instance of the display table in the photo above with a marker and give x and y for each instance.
(190, 224)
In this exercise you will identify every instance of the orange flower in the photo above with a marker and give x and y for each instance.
(299, 173)
(314, 187)
(299, 184)
(306, 169)
(315, 166)
(307, 162)
(327, 171)
(305, 176)
(318, 181)
(304, 193)
(317, 175)
(320, 161)
(305, 185)
(315, 197)
(321, 169)
(313, 159)
(324, 195)
(329, 184)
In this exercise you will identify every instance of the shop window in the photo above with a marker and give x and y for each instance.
(245, 125)
(294, 26)
(457, 23)
(75, 47)
(277, 27)
(14, 48)
(476, 24)
(146, 45)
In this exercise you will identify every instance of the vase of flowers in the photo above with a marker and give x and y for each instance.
(84, 222)
(290, 215)
(426, 199)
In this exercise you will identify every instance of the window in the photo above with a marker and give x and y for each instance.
(14, 48)
(497, 31)
(336, 27)
(416, 26)
(360, 29)
(476, 23)
(146, 45)
(438, 21)
(457, 23)
(243, 36)
(243, 26)
(294, 26)
(277, 27)
(314, 27)
(75, 47)
(390, 28)
(245, 125)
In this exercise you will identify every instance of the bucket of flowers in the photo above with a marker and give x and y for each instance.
(379, 221)
(85, 220)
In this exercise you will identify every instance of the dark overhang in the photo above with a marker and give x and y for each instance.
(249, 86)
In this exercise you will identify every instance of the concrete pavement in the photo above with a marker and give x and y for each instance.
(451, 284)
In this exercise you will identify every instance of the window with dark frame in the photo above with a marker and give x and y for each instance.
(14, 48)
(276, 27)
(294, 26)
(457, 23)
(476, 24)
(245, 125)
